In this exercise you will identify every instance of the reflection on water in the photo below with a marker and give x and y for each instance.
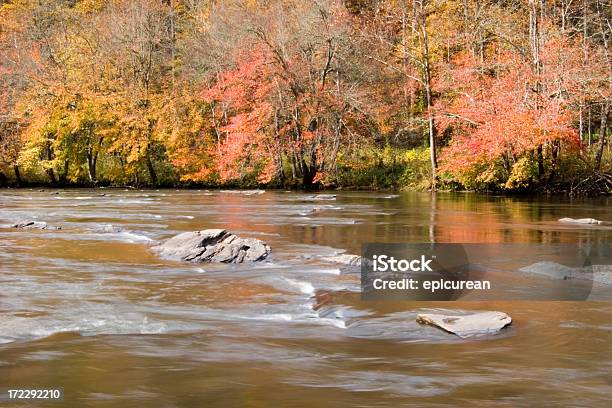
(90, 309)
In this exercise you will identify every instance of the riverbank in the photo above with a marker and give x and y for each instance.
(563, 191)
(371, 169)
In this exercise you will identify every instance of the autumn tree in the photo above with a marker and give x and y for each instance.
(408, 40)
(513, 110)
(498, 94)
(138, 37)
(294, 89)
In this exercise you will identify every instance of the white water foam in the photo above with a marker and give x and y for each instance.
(325, 271)
(24, 329)
(133, 237)
(293, 285)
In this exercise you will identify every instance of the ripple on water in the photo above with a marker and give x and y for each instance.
(87, 320)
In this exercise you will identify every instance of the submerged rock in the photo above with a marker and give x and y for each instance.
(35, 225)
(325, 197)
(108, 229)
(344, 259)
(213, 245)
(469, 325)
(601, 274)
(580, 221)
(549, 269)
(311, 211)
(244, 192)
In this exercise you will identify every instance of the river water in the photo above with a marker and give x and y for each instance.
(95, 312)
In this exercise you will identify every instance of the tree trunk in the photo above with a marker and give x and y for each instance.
(602, 135)
(64, 175)
(17, 175)
(540, 157)
(309, 172)
(432, 150)
(581, 125)
(49, 171)
(91, 167)
(92, 160)
(589, 128)
(536, 10)
(151, 169)
(428, 95)
(51, 175)
(556, 148)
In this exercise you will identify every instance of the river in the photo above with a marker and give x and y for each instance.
(95, 312)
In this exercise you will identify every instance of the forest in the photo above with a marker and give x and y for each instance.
(489, 95)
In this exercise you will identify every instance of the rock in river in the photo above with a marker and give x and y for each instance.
(468, 325)
(34, 225)
(244, 192)
(213, 245)
(549, 269)
(601, 274)
(589, 221)
(323, 197)
(107, 229)
(343, 259)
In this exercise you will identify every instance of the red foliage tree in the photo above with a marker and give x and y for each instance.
(243, 139)
(497, 116)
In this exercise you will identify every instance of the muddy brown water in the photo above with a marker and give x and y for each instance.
(97, 314)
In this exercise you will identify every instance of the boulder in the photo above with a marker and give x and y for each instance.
(344, 259)
(35, 225)
(213, 245)
(467, 325)
(590, 221)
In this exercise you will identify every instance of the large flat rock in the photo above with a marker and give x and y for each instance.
(41, 225)
(468, 325)
(212, 245)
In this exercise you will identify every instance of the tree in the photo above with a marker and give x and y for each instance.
(138, 36)
(408, 39)
(503, 94)
(508, 111)
(287, 103)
